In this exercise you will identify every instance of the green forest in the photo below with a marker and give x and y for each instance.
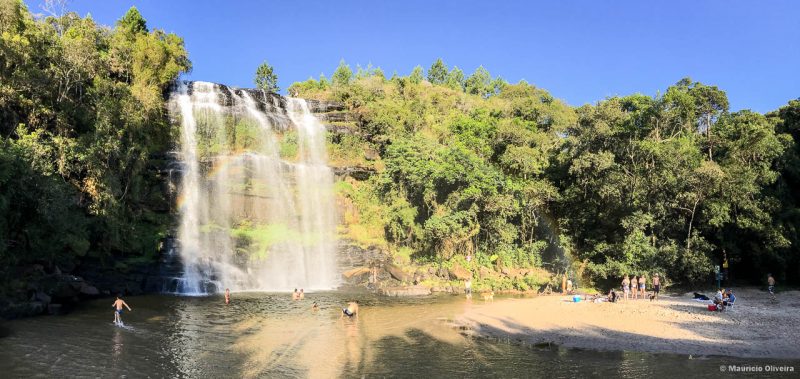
(464, 165)
(670, 183)
(82, 123)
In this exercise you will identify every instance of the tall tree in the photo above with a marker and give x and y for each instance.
(455, 79)
(342, 75)
(437, 74)
(416, 75)
(266, 79)
(479, 83)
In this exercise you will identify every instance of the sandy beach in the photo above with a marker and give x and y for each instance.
(754, 327)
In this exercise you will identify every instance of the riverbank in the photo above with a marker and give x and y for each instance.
(675, 324)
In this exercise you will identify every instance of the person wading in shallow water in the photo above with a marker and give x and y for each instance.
(118, 304)
(227, 296)
(351, 310)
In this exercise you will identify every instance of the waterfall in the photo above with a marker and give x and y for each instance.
(256, 200)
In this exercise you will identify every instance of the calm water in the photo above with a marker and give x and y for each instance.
(269, 335)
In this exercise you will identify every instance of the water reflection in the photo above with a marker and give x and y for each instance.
(269, 335)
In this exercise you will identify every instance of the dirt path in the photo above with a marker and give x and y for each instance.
(674, 324)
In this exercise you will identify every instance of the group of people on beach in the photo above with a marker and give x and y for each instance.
(633, 287)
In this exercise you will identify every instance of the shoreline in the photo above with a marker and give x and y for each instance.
(753, 328)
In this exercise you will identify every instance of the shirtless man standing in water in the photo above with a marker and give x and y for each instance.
(118, 304)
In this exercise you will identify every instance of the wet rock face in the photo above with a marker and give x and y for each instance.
(322, 106)
(362, 267)
(355, 172)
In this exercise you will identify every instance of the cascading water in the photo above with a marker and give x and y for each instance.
(256, 197)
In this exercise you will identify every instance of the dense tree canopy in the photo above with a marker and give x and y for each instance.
(630, 185)
(82, 119)
(464, 166)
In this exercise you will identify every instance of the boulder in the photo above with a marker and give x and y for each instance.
(458, 272)
(89, 290)
(405, 291)
(398, 273)
(358, 271)
(18, 310)
(43, 297)
(55, 309)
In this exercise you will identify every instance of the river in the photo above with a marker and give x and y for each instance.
(269, 335)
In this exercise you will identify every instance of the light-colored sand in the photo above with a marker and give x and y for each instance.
(674, 324)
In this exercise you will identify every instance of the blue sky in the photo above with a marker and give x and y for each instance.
(580, 51)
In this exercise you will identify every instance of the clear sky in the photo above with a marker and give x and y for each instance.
(581, 51)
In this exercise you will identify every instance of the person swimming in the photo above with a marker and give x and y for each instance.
(118, 304)
(351, 310)
(314, 307)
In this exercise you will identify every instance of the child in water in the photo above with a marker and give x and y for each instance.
(118, 304)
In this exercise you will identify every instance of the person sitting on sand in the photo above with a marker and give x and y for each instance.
(635, 287)
(569, 286)
(295, 295)
(718, 300)
(351, 310)
(302, 295)
(227, 296)
(656, 286)
(118, 304)
(626, 287)
(612, 296)
(728, 298)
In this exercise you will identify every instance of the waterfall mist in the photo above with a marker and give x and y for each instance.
(256, 197)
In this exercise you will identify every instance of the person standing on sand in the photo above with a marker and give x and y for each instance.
(118, 304)
(656, 286)
(227, 296)
(626, 287)
(564, 283)
(635, 287)
(771, 286)
(642, 287)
